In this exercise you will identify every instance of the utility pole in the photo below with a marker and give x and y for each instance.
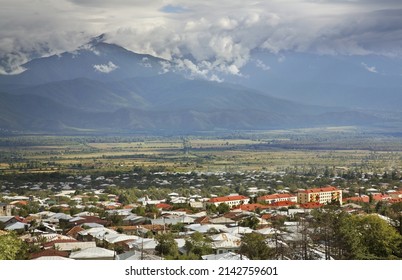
(142, 248)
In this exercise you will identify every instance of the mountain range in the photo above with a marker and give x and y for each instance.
(103, 87)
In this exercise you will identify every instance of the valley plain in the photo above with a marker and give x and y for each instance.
(337, 148)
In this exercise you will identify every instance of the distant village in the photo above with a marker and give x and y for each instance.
(94, 218)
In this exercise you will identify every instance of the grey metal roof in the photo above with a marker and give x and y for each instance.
(92, 253)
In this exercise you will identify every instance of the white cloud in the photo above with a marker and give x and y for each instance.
(371, 69)
(105, 68)
(11, 64)
(260, 64)
(220, 32)
(145, 62)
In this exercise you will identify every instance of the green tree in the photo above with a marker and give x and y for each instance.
(115, 219)
(251, 222)
(368, 237)
(167, 246)
(395, 213)
(140, 211)
(12, 248)
(223, 208)
(152, 211)
(380, 238)
(324, 225)
(211, 209)
(255, 248)
(198, 245)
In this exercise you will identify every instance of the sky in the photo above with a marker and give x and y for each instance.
(200, 34)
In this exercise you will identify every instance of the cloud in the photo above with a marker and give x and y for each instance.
(371, 69)
(105, 68)
(145, 62)
(221, 33)
(262, 65)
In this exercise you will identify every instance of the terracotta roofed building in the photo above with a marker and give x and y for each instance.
(322, 195)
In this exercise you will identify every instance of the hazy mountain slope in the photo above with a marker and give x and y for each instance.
(85, 94)
(365, 82)
(103, 87)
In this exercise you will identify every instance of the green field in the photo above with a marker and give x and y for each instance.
(335, 148)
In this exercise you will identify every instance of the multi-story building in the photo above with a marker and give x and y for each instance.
(277, 197)
(322, 195)
(5, 209)
(231, 200)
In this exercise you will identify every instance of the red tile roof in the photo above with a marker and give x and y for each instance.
(395, 200)
(323, 189)
(73, 231)
(365, 199)
(251, 207)
(163, 206)
(19, 202)
(202, 220)
(54, 242)
(19, 219)
(266, 216)
(380, 196)
(311, 205)
(276, 196)
(284, 203)
(49, 253)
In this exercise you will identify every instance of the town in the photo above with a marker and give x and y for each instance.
(154, 214)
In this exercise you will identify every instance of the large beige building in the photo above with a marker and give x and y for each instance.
(231, 200)
(277, 197)
(322, 195)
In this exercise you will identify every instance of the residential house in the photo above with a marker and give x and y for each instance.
(5, 221)
(73, 232)
(5, 209)
(222, 221)
(97, 234)
(237, 230)
(112, 241)
(251, 207)
(95, 253)
(225, 246)
(362, 198)
(205, 228)
(52, 258)
(146, 245)
(82, 220)
(137, 255)
(281, 204)
(49, 253)
(224, 256)
(69, 245)
(18, 226)
(202, 220)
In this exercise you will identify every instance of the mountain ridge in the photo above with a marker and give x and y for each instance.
(104, 87)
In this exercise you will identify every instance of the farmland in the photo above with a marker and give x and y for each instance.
(337, 149)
